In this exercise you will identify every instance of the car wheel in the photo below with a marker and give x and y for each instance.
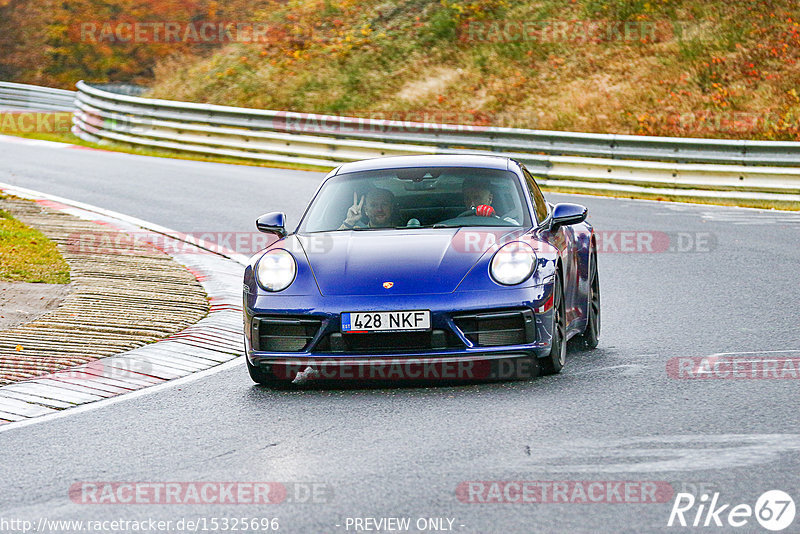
(554, 362)
(591, 335)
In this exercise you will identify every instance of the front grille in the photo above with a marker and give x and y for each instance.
(284, 334)
(388, 342)
(494, 329)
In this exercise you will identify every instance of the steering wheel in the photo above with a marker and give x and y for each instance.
(473, 212)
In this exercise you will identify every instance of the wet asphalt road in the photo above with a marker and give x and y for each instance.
(729, 285)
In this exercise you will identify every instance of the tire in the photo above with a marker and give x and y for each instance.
(266, 378)
(554, 362)
(591, 336)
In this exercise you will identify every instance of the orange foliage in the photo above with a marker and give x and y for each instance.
(42, 41)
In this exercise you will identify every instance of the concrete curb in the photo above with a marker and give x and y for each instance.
(214, 340)
(123, 294)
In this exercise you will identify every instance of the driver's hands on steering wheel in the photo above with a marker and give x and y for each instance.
(484, 210)
(481, 210)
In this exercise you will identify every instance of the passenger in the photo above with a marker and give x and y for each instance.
(378, 212)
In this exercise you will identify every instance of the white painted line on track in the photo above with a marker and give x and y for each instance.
(33, 142)
(114, 216)
(755, 352)
(127, 396)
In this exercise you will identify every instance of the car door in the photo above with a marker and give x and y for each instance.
(564, 240)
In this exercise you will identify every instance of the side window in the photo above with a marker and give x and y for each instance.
(539, 203)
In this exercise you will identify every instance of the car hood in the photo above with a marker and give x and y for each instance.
(413, 261)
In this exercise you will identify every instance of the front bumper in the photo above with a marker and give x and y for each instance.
(453, 354)
(466, 367)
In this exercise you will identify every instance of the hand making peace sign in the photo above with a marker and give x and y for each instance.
(355, 212)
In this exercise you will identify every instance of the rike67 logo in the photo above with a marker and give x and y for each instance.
(774, 510)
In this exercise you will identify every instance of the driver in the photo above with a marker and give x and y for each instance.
(378, 210)
(478, 197)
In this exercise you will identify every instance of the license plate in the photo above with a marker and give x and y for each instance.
(391, 321)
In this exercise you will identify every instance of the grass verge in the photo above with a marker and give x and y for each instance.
(26, 255)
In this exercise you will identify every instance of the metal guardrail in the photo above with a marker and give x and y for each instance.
(505, 140)
(759, 167)
(740, 169)
(20, 96)
(122, 88)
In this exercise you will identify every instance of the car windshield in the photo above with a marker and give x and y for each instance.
(435, 197)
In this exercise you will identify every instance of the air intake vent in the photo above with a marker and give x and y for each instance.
(387, 343)
(494, 329)
(284, 334)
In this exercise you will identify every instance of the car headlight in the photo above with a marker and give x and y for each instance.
(513, 263)
(276, 270)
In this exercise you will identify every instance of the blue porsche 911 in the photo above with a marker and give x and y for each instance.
(422, 267)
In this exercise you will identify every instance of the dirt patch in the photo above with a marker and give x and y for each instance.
(23, 302)
(436, 83)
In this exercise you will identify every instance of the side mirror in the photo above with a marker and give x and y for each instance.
(566, 214)
(272, 223)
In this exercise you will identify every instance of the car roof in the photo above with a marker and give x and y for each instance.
(438, 160)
